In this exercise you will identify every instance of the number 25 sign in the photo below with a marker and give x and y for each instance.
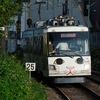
(30, 66)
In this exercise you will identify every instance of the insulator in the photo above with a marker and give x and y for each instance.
(71, 22)
(55, 23)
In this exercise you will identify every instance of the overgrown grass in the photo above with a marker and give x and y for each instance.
(14, 81)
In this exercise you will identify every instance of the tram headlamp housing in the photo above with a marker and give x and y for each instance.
(52, 67)
(59, 61)
(86, 66)
(79, 60)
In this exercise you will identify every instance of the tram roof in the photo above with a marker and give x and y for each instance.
(68, 29)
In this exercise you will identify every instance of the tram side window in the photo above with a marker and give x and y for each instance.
(40, 39)
(26, 44)
(35, 45)
(38, 45)
(50, 46)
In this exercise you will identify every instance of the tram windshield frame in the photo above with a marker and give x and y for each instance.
(77, 42)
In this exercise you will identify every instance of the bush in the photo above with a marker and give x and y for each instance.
(14, 81)
(18, 53)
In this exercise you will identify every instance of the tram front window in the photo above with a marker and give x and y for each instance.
(68, 43)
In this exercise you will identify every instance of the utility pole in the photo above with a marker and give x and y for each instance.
(66, 6)
(89, 15)
(64, 9)
(18, 30)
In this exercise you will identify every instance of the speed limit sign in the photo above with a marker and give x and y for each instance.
(30, 66)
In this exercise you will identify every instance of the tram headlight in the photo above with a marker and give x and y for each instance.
(86, 66)
(52, 67)
(59, 61)
(79, 60)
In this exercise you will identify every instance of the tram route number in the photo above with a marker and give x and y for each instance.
(30, 66)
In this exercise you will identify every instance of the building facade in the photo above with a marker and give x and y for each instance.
(52, 8)
(95, 13)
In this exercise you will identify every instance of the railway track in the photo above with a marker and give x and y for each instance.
(62, 93)
(93, 84)
(91, 92)
(86, 91)
(95, 76)
(77, 92)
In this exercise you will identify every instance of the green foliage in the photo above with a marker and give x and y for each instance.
(15, 83)
(18, 53)
(95, 58)
(1, 33)
(38, 91)
(7, 10)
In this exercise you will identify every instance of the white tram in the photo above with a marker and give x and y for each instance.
(57, 65)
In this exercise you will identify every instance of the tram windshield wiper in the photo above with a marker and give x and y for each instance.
(68, 53)
(65, 53)
(78, 54)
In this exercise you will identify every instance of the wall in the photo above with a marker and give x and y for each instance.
(95, 13)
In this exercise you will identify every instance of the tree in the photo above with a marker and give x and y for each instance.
(8, 8)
